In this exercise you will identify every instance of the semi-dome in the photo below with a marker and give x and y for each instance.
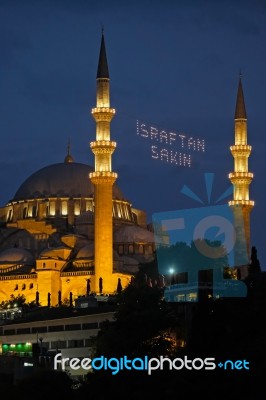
(133, 234)
(67, 179)
(16, 255)
(86, 251)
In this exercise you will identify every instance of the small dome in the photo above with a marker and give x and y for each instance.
(86, 251)
(73, 240)
(16, 255)
(133, 234)
(61, 252)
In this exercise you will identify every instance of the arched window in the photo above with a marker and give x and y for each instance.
(131, 249)
(64, 207)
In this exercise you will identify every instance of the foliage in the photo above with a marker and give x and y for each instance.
(14, 301)
(142, 325)
(254, 266)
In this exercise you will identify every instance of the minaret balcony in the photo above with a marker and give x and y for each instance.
(241, 175)
(240, 180)
(103, 147)
(248, 203)
(102, 177)
(241, 150)
(103, 113)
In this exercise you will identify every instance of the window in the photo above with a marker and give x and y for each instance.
(131, 249)
(141, 249)
(64, 207)
(55, 328)
(62, 344)
(24, 213)
(90, 325)
(72, 327)
(34, 211)
(16, 287)
(23, 286)
(10, 215)
(23, 331)
(77, 207)
(52, 208)
(76, 343)
(39, 329)
(31, 285)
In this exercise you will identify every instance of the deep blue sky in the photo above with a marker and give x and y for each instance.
(173, 65)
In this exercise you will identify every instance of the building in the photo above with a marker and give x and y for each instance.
(69, 230)
(32, 340)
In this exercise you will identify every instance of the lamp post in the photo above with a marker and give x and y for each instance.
(40, 339)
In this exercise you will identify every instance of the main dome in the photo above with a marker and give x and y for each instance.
(67, 179)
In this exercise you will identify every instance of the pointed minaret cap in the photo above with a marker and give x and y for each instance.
(240, 111)
(102, 71)
(68, 157)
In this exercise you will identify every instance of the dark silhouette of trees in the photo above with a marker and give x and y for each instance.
(254, 266)
(142, 323)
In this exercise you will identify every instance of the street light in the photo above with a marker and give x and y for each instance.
(171, 272)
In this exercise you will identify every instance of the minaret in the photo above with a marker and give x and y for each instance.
(241, 177)
(103, 179)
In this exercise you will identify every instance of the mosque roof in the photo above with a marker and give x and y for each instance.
(16, 255)
(67, 179)
(133, 234)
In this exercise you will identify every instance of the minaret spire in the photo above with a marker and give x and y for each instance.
(103, 71)
(240, 110)
(68, 157)
(103, 179)
(241, 177)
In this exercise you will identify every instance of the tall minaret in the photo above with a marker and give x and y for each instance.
(103, 179)
(241, 177)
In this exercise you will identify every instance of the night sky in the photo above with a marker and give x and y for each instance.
(174, 66)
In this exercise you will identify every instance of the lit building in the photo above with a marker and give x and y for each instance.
(33, 341)
(69, 224)
(241, 177)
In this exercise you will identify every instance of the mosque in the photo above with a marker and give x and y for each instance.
(69, 230)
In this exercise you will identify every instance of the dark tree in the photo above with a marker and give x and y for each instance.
(142, 323)
(59, 298)
(254, 266)
(100, 285)
(119, 286)
(88, 288)
(37, 299)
